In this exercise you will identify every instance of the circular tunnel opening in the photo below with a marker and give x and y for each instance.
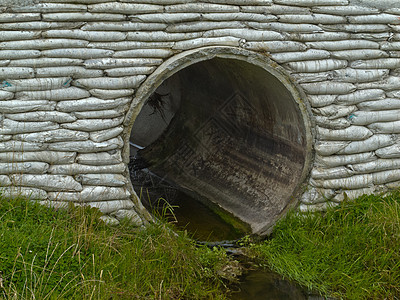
(229, 134)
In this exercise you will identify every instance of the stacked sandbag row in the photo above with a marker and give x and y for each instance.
(69, 70)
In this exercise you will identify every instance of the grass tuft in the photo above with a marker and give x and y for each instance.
(72, 254)
(351, 251)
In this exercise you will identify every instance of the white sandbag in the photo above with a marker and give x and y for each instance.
(118, 72)
(152, 53)
(18, 35)
(203, 42)
(49, 183)
(386, 127)
(108, 207)
(247, 34)
(103, 193)
(376, 165)
(373, 143)
(369, 117)
(82, 16)
(90, 104)
(49, 157)
(359, 75)
(58, 135)
(380, 63)
(42, 116)
(242, 16)
(21, 17)
(20, 106)
(4, 138)
(161, 36)
(43, 44)
(49, 7)
(286, 27)
(352, 133)
(115, 180)
(353, 194)
(343, 160)
(86, 53)
(275, 46)
(30, 193)
(93, 36)
(331, 173)
(4, 63)
(360, 96)
(101, 114)
(198, 26)
(275, 9)
(343, 45)
(381, 18)
(130, 215)
(76, 169)
(104, 135)
(111, 83)
(167, 18)
(4, 181)
(35, 84)
(240, 2)
(112, 94)
(376, 37)
(110, 63)
(4, 95)
(15, 127)
(325, 122)
(24, 168)
(39, 25)
(319, 36)
(201, 8)
(357, 54)
(393, 94)
(312, 19)
(316, 207)
(125, 8)
(317, 65)
(326, 148)
(334, 111)
(73, 71)
(54, 94)
(386, 176)
(45, 62)
(327, 88)
(18, 146)
(93, 124)
(128, 45)
(356, 28)
(123, 26)
(310, 54)
(312, 3)
(347, 10)
(100, 158)
(16, 73)
(321, 100)
(389, 152)
(385, 104)
(350, 183)
(311, 77)
(87, 146)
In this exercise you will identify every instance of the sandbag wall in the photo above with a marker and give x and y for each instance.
(69, 70)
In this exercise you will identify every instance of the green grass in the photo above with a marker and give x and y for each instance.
(72, 254)
(351, 251)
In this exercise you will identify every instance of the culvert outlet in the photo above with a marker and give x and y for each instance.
(230, 132)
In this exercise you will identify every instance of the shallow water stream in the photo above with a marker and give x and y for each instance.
(207, 226)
